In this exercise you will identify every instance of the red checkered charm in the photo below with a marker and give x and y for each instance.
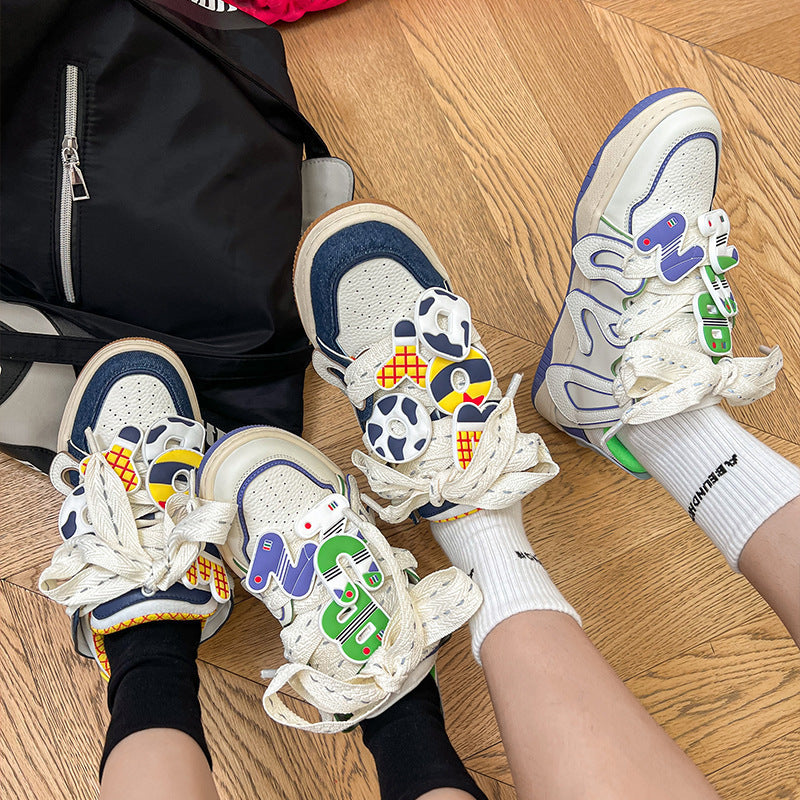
(208, 570)
(120, 456)
(406, 361)
(468, 424)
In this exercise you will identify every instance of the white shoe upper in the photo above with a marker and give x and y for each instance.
(440, 436)
(359, 628)
(137, 546)
(646, 328)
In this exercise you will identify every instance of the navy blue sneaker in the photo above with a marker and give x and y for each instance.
(645, 330)
(387, 329)
(137, 546)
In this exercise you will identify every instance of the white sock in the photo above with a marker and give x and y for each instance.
(492, 548)
(727, 480)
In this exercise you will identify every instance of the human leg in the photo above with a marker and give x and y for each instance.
(570, 727)
(641, 355)
(360, 629)
(771, 562)
(413, 754)
(157, 764)
(739, 491)
(366, 281)
(135, 565)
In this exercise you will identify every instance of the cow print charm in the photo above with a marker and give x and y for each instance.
(399, 429)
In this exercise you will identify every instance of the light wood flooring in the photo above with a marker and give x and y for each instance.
(480, 117)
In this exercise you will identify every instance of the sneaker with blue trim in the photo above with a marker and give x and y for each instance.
(360, 629)
(441, 438)
(645, 329)
(137, 546)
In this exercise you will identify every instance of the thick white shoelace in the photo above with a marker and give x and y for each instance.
(506, 464)
(423, 614)
(663, 371)
(121, 554)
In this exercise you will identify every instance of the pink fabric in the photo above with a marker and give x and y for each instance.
(270, 11)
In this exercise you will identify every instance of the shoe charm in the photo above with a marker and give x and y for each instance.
(468, 424)
(120, 456)
(443, 320)
(344, 564)
(713, 327)
(399, 428)
(664, 238)
(716, 224)
(208, 570)
(406, 362)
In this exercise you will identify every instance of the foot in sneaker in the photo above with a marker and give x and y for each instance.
(645, 330)
(387, 330)
(136, 547)
(359, 628)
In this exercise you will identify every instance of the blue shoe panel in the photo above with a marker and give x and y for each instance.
(430, 510)
(109, 373)
(346, 249)
(195, 597)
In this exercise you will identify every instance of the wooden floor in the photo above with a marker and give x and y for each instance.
(480, 117)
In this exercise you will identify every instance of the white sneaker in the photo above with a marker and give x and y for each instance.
(136, 547)
(645, 330)
(387, 330)
(360, 629)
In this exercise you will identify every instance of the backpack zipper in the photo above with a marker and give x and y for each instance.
(73, 185)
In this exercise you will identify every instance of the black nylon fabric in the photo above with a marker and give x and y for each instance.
(190, 144)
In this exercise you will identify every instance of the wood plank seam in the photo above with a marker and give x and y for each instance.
(710, 48)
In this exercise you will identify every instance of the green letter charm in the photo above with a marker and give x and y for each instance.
(353, 620)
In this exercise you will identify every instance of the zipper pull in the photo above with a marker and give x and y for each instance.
(69, 156)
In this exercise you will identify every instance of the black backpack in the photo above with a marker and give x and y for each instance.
(152, 186)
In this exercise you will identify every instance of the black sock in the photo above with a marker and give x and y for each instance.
(154, 682)
(412, 751)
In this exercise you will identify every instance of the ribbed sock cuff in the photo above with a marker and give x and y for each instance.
(492, 548)
(728, 481)
(412, 751)
(154, 682)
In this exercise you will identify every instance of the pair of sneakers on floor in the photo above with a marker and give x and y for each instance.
(644, 334)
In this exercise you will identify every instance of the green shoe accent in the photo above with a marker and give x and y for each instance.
(626, 236)
(623, 455)
(726, 262)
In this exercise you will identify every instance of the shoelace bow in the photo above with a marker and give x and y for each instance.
(422, 615)
(662, 370)
(135, 544)
(506, 464)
